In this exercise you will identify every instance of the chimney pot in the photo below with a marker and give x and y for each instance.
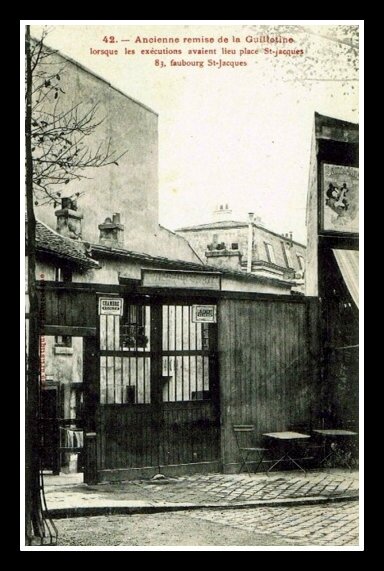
(69, 219)
(111, 231)
(222, 212)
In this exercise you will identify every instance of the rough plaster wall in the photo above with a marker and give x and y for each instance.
(130, 188)
(255, 286)
(64, 368)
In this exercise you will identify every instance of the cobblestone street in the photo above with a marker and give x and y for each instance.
(282, 509)
(294, 526)
(324, 525)
(220, 489)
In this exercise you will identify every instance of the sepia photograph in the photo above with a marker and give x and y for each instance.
(192, 349)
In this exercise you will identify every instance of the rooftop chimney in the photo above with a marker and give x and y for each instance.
(69, 219)
(222, 212)
(111, 231)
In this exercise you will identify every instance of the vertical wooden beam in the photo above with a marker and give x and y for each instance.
(156, 376)
(91, 380)
(90, 464)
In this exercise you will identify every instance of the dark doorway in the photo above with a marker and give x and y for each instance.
(50, 434)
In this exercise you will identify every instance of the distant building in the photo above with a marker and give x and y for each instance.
(248, 247)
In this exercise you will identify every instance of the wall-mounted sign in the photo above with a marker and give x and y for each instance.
(204, 314)
(340, 198)
(110, 306)
(181, 279)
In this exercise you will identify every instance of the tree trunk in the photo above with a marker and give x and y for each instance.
(33, 508)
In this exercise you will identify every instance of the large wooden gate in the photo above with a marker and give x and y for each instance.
(159, 409)
(269, 367)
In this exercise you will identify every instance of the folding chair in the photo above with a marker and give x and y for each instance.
(311, 449)
(244, 435)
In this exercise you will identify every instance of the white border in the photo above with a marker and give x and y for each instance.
(23, 23)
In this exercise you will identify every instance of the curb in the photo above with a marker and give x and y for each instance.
(87, 511)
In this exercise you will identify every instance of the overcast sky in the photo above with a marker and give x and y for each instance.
(239, 136)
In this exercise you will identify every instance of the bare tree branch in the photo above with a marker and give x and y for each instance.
(60, 151)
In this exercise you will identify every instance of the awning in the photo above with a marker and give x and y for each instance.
(348, 262)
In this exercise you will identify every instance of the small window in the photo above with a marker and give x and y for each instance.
(270, 253)
(301, 261)
(235, 246)
(63, 341)
(132, 327)
(215, 238)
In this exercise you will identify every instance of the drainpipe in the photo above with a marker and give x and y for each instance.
(250, 242)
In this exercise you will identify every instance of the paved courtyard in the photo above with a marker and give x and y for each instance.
(203, 490)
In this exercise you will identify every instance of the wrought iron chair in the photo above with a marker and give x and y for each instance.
(244, 435)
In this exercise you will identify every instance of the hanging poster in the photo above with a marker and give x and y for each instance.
(340, 198)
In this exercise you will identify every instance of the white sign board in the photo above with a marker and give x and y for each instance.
(110, 306)
(203, 313)
(181, 279)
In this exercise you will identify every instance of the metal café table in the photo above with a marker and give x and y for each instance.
(332, 434)
(288, 439)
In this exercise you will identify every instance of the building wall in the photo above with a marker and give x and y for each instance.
(131, 188)
(228, 284)
(175, 247)
(200, 239)
(45, 270)
(65, 365)
(109, 272)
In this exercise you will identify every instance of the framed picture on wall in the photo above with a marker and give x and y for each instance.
(340, 198)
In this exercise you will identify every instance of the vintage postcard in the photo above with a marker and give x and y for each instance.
(192, 285)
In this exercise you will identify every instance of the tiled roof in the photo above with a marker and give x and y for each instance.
(50, 242)
(160, 261)
(109, 251)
